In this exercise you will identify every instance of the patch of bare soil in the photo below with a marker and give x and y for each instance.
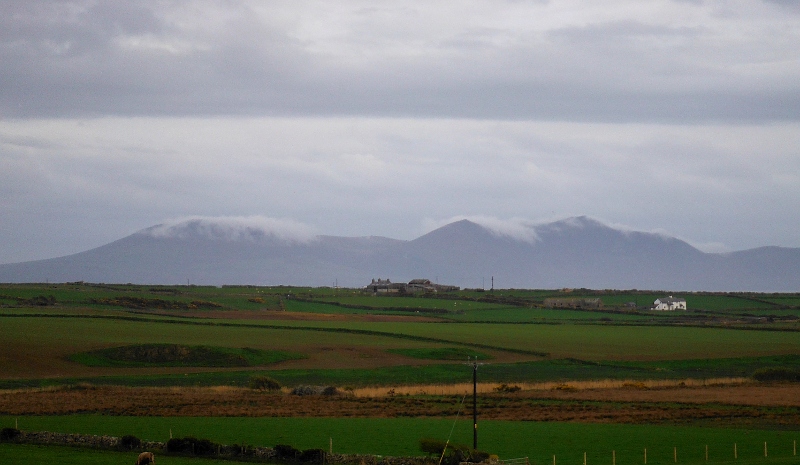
(756, 394)
(747, 405)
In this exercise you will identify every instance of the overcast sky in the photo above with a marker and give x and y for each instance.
(392, 118)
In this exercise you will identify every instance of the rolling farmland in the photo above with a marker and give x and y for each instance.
(392, 358)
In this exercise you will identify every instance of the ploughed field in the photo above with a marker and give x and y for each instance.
(69, 350)
(748, 404)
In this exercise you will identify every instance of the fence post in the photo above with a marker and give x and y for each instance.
(645, 456)
(675, 454)
(765, 448)
(735, 453)
(554, 460)
(613, 457)
(794, 448)
(584, 458)
(706, 452)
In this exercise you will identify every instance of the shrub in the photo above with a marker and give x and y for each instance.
(453, 454)
(330, 391)
(312, 456)
(431, 446)
(315, 390)
(191, 445)
(129, 442)
(507, 388)
(9, 434)
(263, 383)
(777, 374)
(284, 451)
(306, 390)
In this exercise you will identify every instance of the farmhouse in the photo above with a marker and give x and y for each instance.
(669, 303)
(384, 286)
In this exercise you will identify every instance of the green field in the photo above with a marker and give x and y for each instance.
(400, 436)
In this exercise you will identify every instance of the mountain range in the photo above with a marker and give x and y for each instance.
(573, 253)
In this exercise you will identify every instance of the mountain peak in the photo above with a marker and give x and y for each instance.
(232, 229)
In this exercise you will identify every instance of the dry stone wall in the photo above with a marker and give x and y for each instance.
(258, 453)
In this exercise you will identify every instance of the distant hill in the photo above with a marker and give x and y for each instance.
(576, 252)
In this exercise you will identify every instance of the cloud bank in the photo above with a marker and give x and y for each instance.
(233, 228)
(618, 61)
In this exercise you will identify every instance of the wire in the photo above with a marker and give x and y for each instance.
(453, 428)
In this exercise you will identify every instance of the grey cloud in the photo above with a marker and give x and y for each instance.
(66, 59)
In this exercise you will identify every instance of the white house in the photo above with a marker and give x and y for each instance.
(669, 303)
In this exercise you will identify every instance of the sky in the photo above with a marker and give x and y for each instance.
(359, 118)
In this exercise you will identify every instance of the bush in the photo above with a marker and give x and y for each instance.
(507, 388)
(312, 456)
(431, 446)
(315, 390)
(286, 452)
(777, 374)
(192, 446)
(453, 454)
(330, 391)
(9, 434)
(129, 442)
(263, 383)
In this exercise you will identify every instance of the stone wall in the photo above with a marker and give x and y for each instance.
(259, 453)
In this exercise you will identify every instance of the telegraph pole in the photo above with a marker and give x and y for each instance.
(474, 364)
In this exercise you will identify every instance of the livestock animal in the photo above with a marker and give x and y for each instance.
(146, 458)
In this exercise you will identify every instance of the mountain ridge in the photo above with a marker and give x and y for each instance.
(574, 252)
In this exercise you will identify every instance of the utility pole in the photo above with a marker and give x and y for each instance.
(474, 364)
(475, 404)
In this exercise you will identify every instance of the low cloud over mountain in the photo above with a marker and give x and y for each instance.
(575, 252)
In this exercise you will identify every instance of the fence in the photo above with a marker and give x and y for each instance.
(783, 451)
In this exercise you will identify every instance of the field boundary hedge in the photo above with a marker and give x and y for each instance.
(208, 449)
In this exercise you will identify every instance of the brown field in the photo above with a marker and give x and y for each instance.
(742, 403)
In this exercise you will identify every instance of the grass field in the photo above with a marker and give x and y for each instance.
(400, 436)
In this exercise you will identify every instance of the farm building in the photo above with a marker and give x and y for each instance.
(573, 303)
(382, 286)
(415, 285)
(669, 303)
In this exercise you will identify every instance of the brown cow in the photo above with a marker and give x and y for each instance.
(146, 458)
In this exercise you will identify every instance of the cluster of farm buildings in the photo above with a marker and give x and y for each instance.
(385, 286)
(663, 303)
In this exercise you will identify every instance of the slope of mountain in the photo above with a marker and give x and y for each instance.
(576, 252)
